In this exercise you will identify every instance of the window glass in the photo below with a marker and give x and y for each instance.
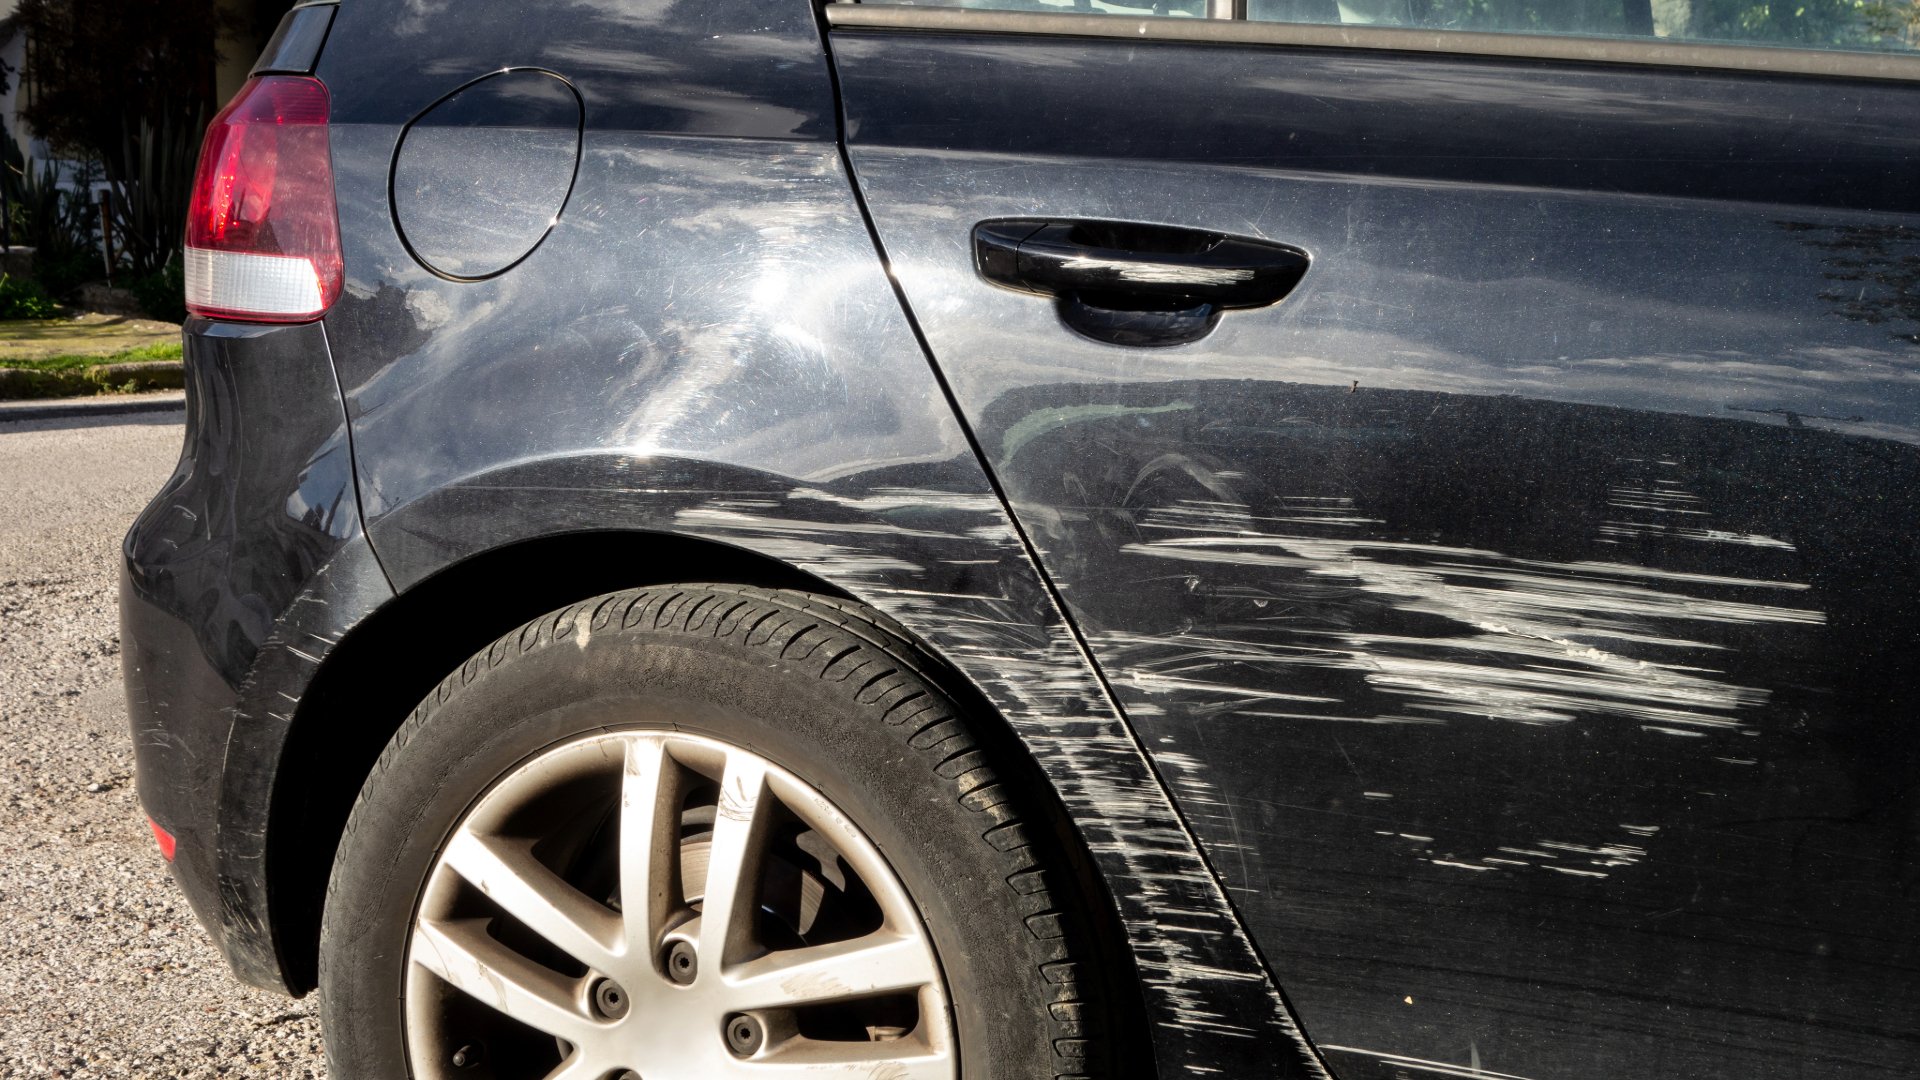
(1187, 8)
(1816, 24)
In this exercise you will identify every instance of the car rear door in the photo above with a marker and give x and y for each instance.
(1520, 601)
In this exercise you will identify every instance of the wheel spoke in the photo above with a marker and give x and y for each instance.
(732, 856)
(649, 842)
(464, 956)
(702, 888)
(509, 874)
(875, 964)
(899, 1059)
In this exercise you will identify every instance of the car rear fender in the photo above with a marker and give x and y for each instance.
(938, 556)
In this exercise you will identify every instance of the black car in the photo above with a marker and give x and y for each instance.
(1234, 538)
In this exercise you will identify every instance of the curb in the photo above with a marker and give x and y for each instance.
(12, 412)
(26, 384)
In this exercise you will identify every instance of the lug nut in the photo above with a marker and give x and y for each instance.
(743, 1035)
(682, 964)
(609, 1000)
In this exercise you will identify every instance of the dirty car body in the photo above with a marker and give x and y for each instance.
(1496, 648)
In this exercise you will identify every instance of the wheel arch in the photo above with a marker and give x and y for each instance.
(926, 544)
(368, 684)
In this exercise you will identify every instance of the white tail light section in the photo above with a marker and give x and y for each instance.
(263, 285)
(263, 237)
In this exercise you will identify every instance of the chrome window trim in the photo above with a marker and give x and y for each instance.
(1756, 59)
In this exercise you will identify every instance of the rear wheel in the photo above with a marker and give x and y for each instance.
(701, 832)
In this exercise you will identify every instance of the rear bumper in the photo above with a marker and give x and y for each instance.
(260, 506)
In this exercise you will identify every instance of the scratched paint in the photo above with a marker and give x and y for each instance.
(1381, 707)
(1401, 1064)
(765, 400)
(1569, 501)
(1034, 670)
(1531, 641)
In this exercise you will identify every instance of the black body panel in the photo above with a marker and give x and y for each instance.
(1505, 639)
(218, 569)
(705, 347)
(1521, 610)
(739, 70)
(482, 176)
(1512, 123)
(295, 45)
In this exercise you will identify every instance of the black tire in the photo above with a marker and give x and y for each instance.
(824, 688)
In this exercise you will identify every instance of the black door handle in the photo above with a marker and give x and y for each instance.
(1135, 284)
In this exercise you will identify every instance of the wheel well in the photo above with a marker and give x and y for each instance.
(371, 681)
(379, 671)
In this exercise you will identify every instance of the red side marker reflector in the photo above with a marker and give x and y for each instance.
(163, 838)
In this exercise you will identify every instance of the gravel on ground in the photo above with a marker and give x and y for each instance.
(103, 970)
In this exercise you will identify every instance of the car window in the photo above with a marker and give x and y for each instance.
(1176, 8)
(1880, 25)
(1816, 24)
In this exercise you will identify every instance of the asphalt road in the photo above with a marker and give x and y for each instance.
(103, 970)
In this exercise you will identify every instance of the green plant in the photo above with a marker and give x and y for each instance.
(152, 182)
(1896, 21)
(129, 86)
(163, 293)
(55, 218)
(92, 67)
(24, 298)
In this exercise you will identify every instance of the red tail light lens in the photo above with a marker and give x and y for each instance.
(163, 838)
(263, 237)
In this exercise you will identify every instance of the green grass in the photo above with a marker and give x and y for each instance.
(168, 350)
(84, 334)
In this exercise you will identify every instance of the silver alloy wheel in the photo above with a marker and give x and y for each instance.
(741, 960)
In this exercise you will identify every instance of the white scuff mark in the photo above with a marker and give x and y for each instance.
(1615, 853)
(1461, 865)
(1471, 1071)
(1575, 872)
(1157, 683)
(1662, 499)
(1654, 574)
(1022, 655)
(1429, 720)
(1633, 529)
(883, 499)
(1539, 642)
(1544, 695)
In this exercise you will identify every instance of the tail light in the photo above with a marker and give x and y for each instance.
(263, 237)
